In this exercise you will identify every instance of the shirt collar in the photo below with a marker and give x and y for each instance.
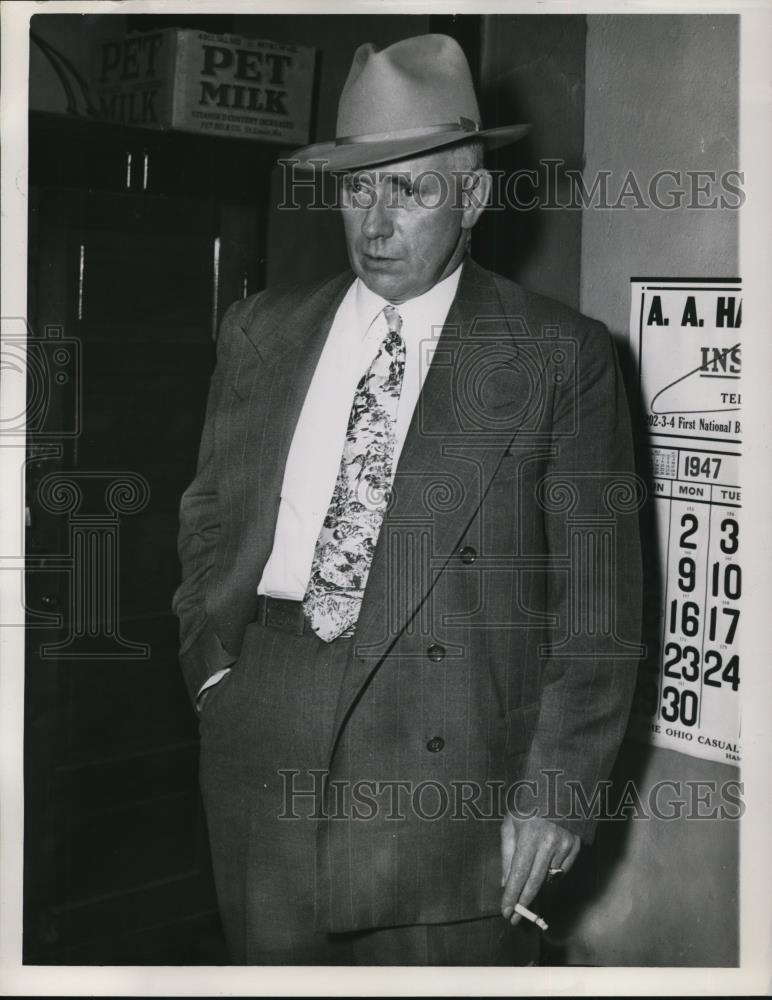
(429, 309)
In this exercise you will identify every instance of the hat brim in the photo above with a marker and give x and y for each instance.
(330, 156)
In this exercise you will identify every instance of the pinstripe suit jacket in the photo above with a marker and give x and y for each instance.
(497, 641)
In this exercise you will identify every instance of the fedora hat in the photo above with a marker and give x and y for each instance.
(410, 98)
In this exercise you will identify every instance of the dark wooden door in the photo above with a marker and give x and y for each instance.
(135, 250)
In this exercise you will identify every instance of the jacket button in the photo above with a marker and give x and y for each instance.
(435, 652)
(435, 744)
(468, 555)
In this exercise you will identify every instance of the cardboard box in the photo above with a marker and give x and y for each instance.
(222, 85)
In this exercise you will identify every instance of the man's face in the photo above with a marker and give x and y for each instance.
(406, 225)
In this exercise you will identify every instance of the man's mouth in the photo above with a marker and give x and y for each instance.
(378, 258)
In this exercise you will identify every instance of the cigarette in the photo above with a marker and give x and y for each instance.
(530, 915)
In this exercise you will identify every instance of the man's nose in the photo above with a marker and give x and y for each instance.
(377, 222)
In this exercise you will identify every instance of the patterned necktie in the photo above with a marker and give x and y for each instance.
(346, 544)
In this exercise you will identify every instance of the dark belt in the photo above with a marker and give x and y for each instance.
(277, 612)
(289, 616)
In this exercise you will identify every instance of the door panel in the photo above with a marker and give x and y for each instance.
(116, 857)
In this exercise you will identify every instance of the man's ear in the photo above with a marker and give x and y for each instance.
(474, 196)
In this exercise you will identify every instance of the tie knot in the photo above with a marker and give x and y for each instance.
(393, 319)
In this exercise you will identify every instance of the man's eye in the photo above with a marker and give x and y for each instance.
(353, 184)
(402, 189)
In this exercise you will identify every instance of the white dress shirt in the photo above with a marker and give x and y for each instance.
(314, 456)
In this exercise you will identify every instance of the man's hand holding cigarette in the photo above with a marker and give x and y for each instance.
(530, 850)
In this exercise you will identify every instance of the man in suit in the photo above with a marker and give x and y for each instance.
(411, 576)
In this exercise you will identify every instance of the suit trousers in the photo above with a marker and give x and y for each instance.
(266, 732)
